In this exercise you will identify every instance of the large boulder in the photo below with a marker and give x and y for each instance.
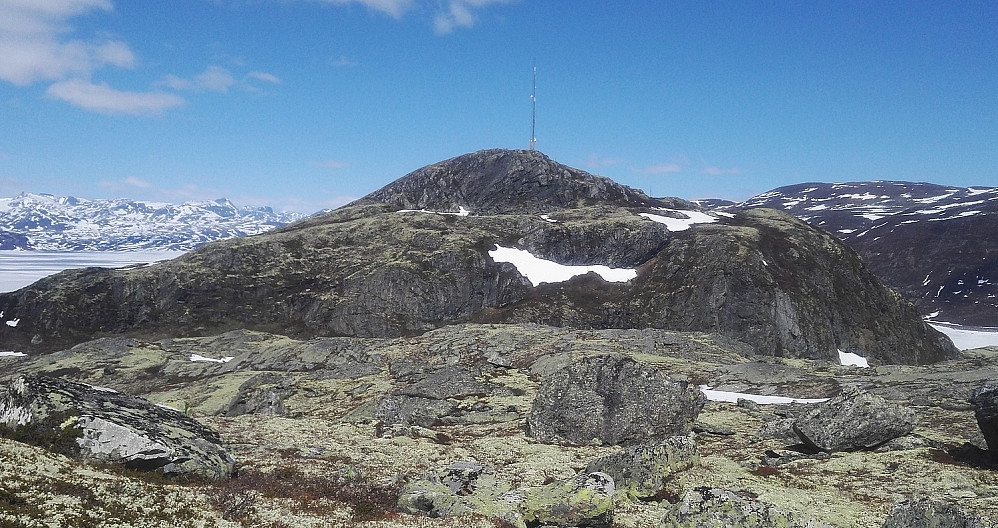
(645, 471)
(928, 513)
(985, 402)
(717, 508)
(853, 421)
(612, 400)
(106, 426)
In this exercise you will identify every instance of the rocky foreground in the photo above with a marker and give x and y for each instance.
(502, 425)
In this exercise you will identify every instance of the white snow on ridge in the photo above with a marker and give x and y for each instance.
(11, 353)
(966, 339)
(460, 212)
(196, 357)
(680, 224)
(852, 360)
(539, 271)
(733, 397)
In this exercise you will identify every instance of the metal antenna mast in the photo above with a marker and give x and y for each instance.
(533, 111)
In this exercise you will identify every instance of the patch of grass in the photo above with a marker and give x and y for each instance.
(236, 498)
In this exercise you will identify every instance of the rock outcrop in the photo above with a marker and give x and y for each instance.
(927, 513)
(852, 421)
(106, 426)
(612, 400)
(717, 508)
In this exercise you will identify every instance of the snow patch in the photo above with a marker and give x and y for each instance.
(196, 357)
(733, 397)
(966, 339)
(852, 360)
(461, 211)
(539, 271)
(11, 353)
(680, 224)
(13, 322)
(547, 218)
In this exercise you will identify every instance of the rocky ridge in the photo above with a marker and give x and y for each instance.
(378, 269)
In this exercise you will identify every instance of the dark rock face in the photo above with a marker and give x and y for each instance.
(931, 514)
(932, 243)
(853, 421)
(503, 182)
(113, 427)
(985, 402)
(613, 400)
(368, 270)
(644, 471)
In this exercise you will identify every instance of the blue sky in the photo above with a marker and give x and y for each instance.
(305, 104)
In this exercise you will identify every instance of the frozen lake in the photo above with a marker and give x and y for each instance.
(20, 268)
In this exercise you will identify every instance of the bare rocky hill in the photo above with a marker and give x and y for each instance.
(383, 268)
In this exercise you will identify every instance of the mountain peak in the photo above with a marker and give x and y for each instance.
(500, 181)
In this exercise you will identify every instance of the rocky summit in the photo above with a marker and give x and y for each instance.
(494, 340)
(419, 254)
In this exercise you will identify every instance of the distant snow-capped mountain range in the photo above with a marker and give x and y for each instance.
(55, 223)
(937, 245)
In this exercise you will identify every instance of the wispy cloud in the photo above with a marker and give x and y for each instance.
(665, 168)
(34, 45)
(392, 8)
(595, 162)
(132, 181)
(103, 99)
(459, 14)
(714, 171)
(216, 79)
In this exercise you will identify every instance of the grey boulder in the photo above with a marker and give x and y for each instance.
(985, 402)
(717, 508)
(853, 421)
(645, 471)
(927, 513)
(103, 425)
(612, 400)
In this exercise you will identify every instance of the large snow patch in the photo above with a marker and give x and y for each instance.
(539, 271)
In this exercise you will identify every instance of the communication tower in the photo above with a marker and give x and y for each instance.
(533, 111)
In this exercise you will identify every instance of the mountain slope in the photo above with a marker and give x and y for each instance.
(376, 269)
(46, 222)
(934, 244)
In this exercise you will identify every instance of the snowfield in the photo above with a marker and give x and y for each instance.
(680, 224)
(733, 397)
(968, 338)
(539, 271)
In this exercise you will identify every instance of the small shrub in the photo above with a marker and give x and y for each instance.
(765, 471)
(56, 433)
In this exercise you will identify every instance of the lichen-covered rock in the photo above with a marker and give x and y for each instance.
(644, 471)
(985, 402)
(716, 508)
(107, 426)
(468, 487)
(852, 421)
(612, 400)
(927, 513)
(585, 500)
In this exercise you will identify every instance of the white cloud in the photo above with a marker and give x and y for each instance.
(665, 168)
(103, 99)
(595, 162)
(459, 14)
(132, 181)
(265, 77)
(392, 8)
(216, 79)
(34, 46)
